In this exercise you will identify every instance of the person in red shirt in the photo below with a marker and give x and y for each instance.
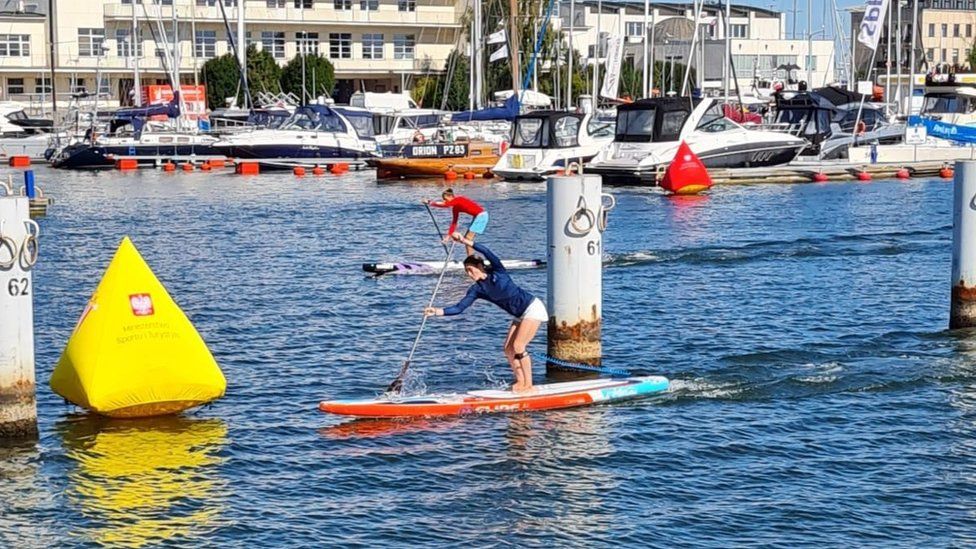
(462, 204)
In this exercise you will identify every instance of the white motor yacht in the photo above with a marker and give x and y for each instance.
(649, 131)
(544, 142)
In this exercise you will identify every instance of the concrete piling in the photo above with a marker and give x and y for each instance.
(962, 310)
(18, 252)
(576, 217)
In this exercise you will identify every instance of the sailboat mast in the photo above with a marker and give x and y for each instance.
(477, 56)
(911, 60)
(513, 39)
(647, 16)
(134, 45)
(571, 54)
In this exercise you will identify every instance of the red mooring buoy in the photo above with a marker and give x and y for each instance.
(820, 177)
(903, 173)
(686, 174)
(863, 176)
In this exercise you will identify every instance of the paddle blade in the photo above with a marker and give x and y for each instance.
(397, 384)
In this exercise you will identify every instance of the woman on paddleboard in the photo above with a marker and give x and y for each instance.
(462, 204)
(495, 285)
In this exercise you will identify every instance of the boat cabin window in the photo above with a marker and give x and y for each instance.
(566, 131)
(529, 133)
(714, 120)
(421, 121)
(17, 115)
(363, 125)
(948, 103)
(671, 124)
(848, 120)
(636, 126)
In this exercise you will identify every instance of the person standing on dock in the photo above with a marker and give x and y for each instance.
(493, 284)
(462, 204)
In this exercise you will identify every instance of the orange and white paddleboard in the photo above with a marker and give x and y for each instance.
(551, 396)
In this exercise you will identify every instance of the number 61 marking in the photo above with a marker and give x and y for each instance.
(593, 247)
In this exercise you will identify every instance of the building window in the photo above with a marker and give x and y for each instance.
(307, 42)
(77, 85)
(634, 28)
(206, 44)
(90, 42)
(944, 56)
(340, 45)
(104, 86)
(955, 56)
(372, 46)
(42, 85)
(303, 4)
(945, 30)
(969, 30)
(15, 86)
(343, 4)
(811, 62)
(930, 54)
(214, 2)
(740, 31)
(955, 31)
(931, 30)
(407, 5)
(123, 45)
(369, 5)
(403, 46)
(14, 45)
(275, 3)
(273, 43)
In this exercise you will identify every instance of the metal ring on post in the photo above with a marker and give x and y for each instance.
(30, 249)
(603, 217)
(582, 212)
(574, 167)
(7, 242)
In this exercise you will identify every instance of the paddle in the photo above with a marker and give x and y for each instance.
(436, 226)
(397, 383)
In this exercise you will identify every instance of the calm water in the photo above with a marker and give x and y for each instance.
(818, 399)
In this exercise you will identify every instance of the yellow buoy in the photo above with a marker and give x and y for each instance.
(134, 353)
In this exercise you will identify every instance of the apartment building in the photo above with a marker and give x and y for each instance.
(946, 33)
(375, 45)
(758, 38)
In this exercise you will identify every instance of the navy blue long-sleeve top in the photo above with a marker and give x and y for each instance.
(498, 288)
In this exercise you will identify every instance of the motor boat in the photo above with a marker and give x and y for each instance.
(546, 141)
(649, 131)
(134, 133)
(832, 119)
(314, 133)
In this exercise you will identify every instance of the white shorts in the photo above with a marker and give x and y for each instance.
(535, 311)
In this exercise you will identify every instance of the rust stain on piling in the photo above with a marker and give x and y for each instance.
(578, 342)
(18, 415)
(962, 309)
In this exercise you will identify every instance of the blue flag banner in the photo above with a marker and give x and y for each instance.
(950, 132)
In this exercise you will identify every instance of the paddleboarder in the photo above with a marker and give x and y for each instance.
(493, 284)
(462, 204)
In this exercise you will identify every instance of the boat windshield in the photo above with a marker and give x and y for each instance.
(636, 126)
(948, 103)
(315, 120)
(804, 121)
(566, 132)
(529, 132)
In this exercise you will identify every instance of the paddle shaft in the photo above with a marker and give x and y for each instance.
(398, 382)
(436, 226)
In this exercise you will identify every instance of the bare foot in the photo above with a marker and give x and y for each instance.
(524, 390)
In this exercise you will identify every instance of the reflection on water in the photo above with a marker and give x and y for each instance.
(23, 495)
(144, 481)
(559, 456)
(383, 427)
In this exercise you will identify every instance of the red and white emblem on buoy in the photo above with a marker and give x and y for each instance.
(141, 304)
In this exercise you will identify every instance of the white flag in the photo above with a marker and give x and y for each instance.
(611, 80)
(500, 53)
(497, 37)
(873, 22)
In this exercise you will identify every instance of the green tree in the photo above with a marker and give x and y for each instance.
(971, 57)
(429, 91)
(263, 72)
(319, 76)
(221, 76)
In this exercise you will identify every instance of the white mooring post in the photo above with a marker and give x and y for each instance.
(962, 310)
(576, 217)
(18, 253)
